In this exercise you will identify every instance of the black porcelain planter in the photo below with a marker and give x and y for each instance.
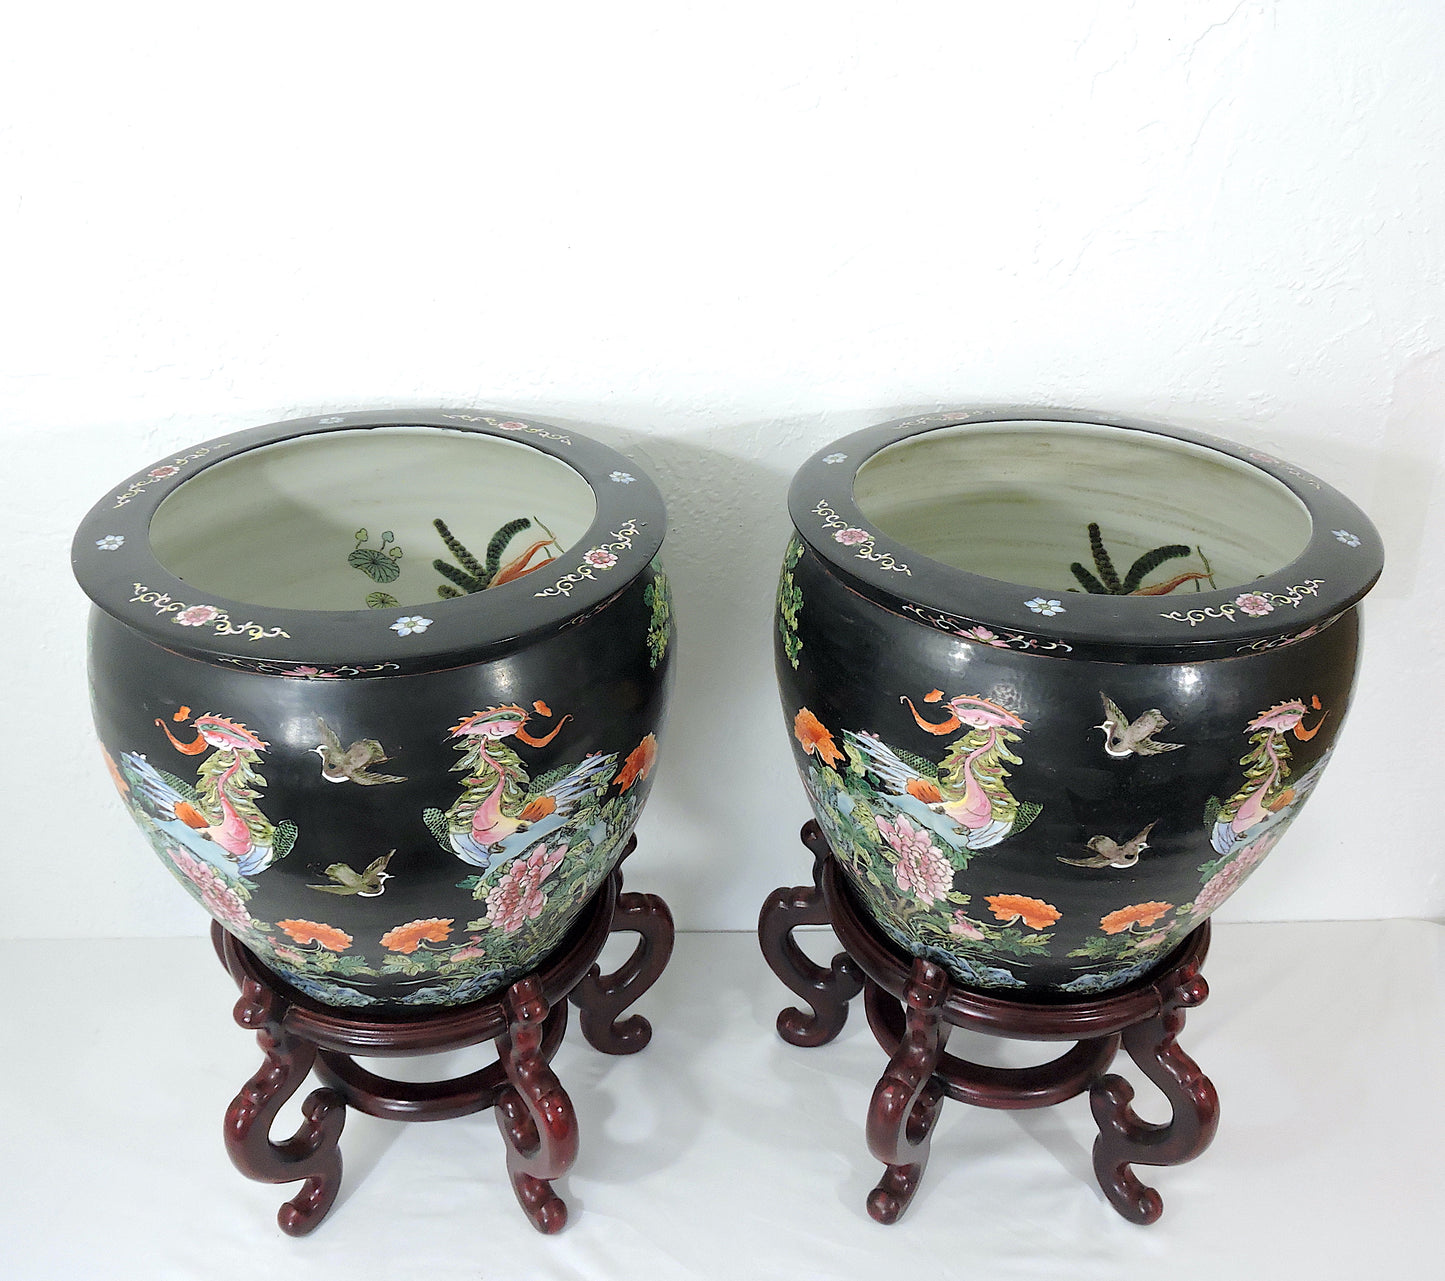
(383, 689)
(1056, 686)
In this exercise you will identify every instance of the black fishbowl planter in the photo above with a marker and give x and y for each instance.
(1057, 685)
(383, 690)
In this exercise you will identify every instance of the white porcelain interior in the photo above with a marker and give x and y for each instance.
(280, 525)
(1013, 501)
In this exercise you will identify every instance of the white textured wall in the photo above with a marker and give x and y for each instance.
(718, 236)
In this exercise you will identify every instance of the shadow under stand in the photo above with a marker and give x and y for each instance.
(527, 1021)
(913, 1006)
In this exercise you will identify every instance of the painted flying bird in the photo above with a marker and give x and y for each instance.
(367, 884)
(1123, 737)
(350, 764)
(1109, 853)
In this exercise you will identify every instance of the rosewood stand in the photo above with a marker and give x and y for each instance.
(527, 1021)
(912, 1006)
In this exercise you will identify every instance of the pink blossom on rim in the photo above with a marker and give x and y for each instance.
(512, 426)
(963, 927)
(198, 615)
(518, 896)
(1254, 603)
(160, 473)
(600, 558)
(921, 868)
(851, 537)
(984, 635)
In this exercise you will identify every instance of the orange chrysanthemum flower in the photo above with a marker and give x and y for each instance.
(328, 936)
(1034, 912)
(407, 938)
(638, 764)
(814, 737)
(1138, 914)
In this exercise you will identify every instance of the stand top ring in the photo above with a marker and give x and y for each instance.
(443, 1028)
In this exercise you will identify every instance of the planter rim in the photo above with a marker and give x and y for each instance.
(1328, 577)
(113, 561)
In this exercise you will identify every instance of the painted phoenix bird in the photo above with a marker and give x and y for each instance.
(969, 787)
(499, 798)
(220, 810)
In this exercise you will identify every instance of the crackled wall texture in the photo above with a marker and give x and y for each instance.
(717, 237)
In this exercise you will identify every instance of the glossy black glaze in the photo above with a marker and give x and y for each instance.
(582, 662)
(862, 647)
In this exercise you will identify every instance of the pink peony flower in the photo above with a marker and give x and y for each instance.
(219, 898)
(518, 896)
(160, 473)
(921, 868)
(1231, 876)
(851, 537)
(600, 558)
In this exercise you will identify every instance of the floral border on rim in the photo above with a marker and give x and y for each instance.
(274, 667)
(595, 560)
(971, 629)
(1253, 604)
(508, 424)
(165, 471)
(862, 541)
(203, 615)
(1276, 642)
(1298, 473)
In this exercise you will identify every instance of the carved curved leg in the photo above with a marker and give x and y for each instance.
(311, 1153)
(1124, 1139)
(600, 998)
(533, 1111)
(826, 990)
(908, 1096)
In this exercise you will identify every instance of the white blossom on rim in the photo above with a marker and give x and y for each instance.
(622, 477)
(600, 558)
(1048, 608)
(830, 459)
(1344, 535)
(409, 624)
(110, 542)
